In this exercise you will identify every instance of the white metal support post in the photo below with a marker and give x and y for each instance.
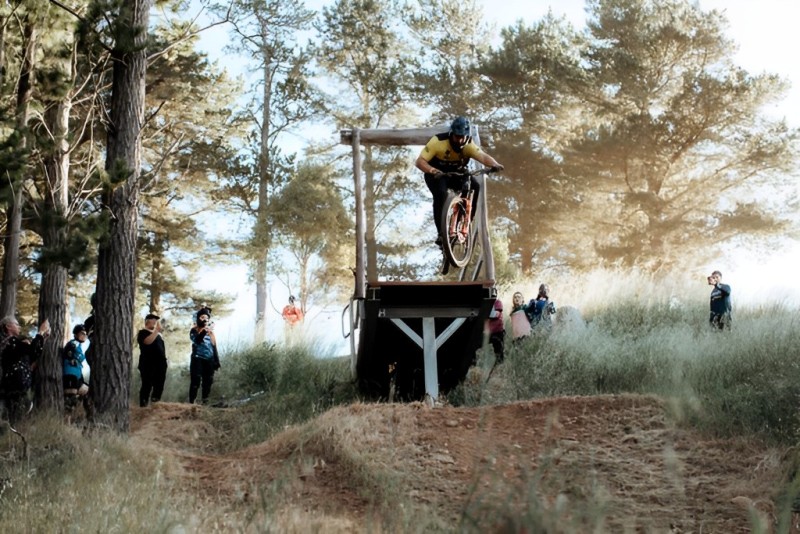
(430, 344)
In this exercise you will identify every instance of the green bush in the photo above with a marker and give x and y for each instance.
(275, 387)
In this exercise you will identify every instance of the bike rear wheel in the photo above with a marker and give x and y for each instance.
(456, 231)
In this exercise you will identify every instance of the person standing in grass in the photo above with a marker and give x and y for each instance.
(520, 317)
(720, 316)
(542, 308)
(205, 359)
(152, 360)
(497, 331)
(291, 313)
(76, 373)
(18, 359)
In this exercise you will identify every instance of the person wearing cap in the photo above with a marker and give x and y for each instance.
(76, 373)
(205, 358)
(152, 360)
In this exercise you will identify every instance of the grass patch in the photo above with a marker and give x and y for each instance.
(745, 381)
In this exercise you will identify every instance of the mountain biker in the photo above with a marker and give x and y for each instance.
(450, 152)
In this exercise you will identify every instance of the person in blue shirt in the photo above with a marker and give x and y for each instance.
(205, 358)
(542, 308)
(76, 373)
(720, 316)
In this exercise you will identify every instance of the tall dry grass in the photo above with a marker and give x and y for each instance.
(640, 335)
(643, 335)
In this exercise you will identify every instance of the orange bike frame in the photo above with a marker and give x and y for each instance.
(464, 230)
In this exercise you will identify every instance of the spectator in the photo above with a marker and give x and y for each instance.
(720, 317)
(205, 358)
(76, 373)
(292, 316)
(18, 357)
(542, 308)
(152, 360)
(89, 325)
(497, 331)
(291, 313)
(520, 317)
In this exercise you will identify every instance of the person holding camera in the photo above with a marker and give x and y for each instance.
(205, 358)
(152, 360)
(720, 317)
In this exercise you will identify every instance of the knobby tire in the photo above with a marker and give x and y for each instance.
(457, 249)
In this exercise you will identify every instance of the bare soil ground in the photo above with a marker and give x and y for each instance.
(610, 464)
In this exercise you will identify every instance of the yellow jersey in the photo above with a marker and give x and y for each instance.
(440, 154)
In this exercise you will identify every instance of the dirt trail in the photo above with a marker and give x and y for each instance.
(572, 458)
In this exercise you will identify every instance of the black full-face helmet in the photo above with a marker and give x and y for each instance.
(459, 132)
(460, 126)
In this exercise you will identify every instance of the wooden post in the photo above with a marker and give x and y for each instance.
(407, 136)
(486, 243)
(361, 228)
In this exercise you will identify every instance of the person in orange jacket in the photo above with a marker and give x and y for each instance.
(291, 313)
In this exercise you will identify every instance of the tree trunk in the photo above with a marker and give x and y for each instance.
(260, 333)
(8, 297)
(526, 257)
(155, 277)
(8, 286)
(3, 49)
(116, 269)
(53, 291)
(262, 231)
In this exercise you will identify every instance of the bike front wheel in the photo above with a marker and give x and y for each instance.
(456, 231)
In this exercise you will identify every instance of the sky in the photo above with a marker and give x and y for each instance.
(766, 32)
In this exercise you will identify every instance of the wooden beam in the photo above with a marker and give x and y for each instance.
(393, 137)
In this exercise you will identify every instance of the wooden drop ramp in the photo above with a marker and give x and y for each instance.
(420, 338)
(414, 340)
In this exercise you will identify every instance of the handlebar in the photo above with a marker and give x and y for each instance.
(470, 174)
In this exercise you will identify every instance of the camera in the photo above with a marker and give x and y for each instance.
(711, 279)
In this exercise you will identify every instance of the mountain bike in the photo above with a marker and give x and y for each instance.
(456, 228)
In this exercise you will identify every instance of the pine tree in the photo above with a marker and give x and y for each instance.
(116, 270)
(362, 51)
(268, 32)
(674, 145)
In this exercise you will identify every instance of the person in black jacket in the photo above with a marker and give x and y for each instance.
(720, 316)
(18, 357)
(152, 360)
